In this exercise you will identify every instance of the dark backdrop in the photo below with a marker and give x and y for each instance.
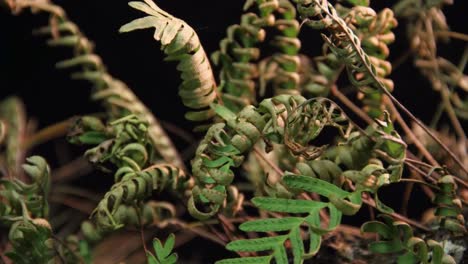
(27, 64)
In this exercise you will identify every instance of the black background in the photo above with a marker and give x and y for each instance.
(27, 64)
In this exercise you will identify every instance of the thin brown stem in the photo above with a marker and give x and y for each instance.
(451, 34)
(351, 105)
(53, 131)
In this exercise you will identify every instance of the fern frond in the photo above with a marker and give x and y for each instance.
(131, 190)
(116, 96)
(449, 207)
(180, 43)
(21, 198)
(286, 80)
(276, 244)
(344, 43)
(124, 144)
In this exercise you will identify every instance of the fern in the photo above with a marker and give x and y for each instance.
(449, 207)
(397, 237)
(124, 144)
(117, 98)
(180, 43)
(311, 209)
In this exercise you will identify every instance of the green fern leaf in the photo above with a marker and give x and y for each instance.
(257, 244)
(314, 185)
(272, 224)
(287, 205)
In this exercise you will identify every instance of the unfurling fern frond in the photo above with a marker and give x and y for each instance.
(286, 80)
(449, 207)
(20, 198)
(180, 43)
(23, 210)
(238, 53)
(32, 242)
(123, 146)
(374, 31)
(284, 119)
(133, 188)
(344, 43)
(117, 98)
(397, 237)
(163, 253)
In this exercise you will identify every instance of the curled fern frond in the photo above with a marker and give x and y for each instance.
(238, 53)
(285, 119)
(374, 31)
(123, 145)
(449, 207)
(180, 43)
(344, 43)
(32, 242)
(397, 237)
(131, 190)
(20, 198)
(116, 96)
(286, 80)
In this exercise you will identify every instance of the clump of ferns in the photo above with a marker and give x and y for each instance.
(117, 98)
(359, 39)
(123, 148)
(342, 189)
(24, 211)
(240, 51)
(396, 237)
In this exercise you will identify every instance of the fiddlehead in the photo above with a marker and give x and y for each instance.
(238, 53)
(344, 43)
(21, 198)
(23, 209)
(286, 80)
(116, 97)
(114, 210)
(286, 119)
(124, 145)
(180, 43)
(449, 208)
(374, 31)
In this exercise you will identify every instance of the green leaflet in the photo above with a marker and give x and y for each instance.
(314, 185)
(271, 224)
(287, 205)
(257, 244)
(163, 253)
